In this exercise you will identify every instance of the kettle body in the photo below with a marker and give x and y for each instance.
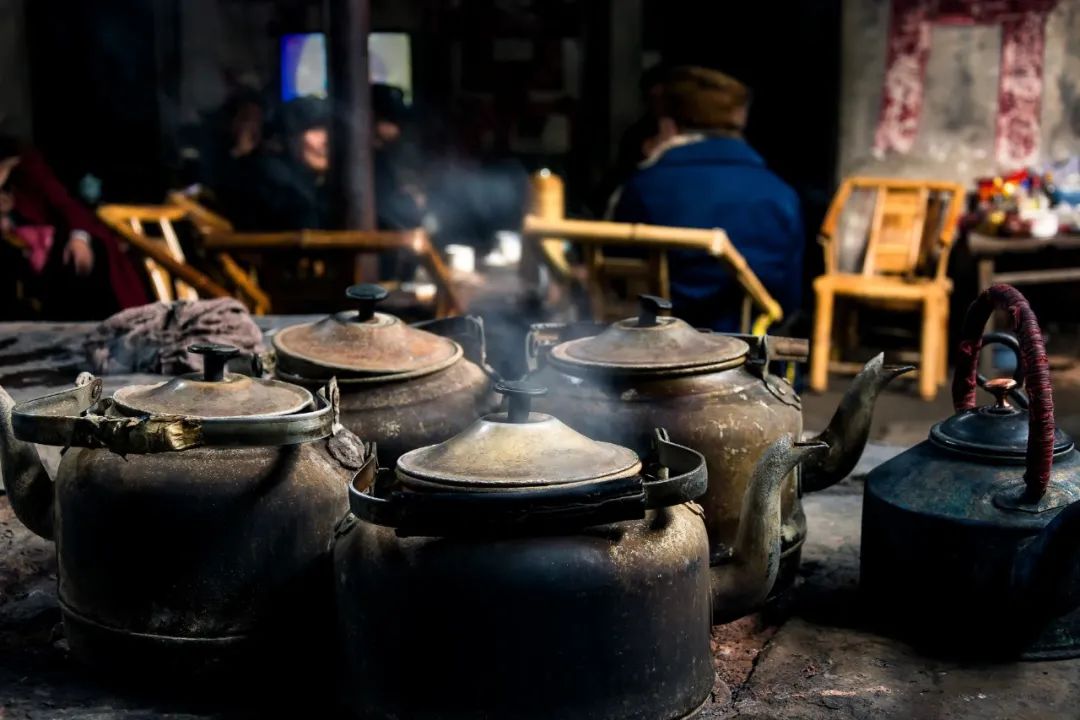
(523, 571)
(712, 391)
(605, 622)
(970, 539)
(193, 518)
(731, 416)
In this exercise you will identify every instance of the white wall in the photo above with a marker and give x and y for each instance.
(956, 130)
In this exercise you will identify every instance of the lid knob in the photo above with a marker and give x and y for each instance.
(520, 395)
(366, 295)
(215, 357)
(1000, 388)
(650, 307)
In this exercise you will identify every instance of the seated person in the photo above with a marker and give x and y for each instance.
(235, 159)
(294, 195)
(56, 246)
(702, 174)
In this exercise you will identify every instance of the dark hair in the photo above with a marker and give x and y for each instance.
(388, 103)
(239, 99)
(653, 76)
(303, 114)
(10, 146)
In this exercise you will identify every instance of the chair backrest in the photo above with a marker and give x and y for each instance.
(151, 226)
(896, 231)
(911, 225)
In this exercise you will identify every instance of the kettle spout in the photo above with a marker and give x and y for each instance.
(849, 428)
(27, 483)
(1046, 572)
(743, 583)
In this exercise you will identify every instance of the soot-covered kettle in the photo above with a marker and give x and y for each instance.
(971, 539)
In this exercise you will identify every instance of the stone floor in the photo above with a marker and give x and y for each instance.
(814, 658)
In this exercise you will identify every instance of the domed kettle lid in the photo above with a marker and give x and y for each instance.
(517, 449)
(362, 343)
(994, 432)
(650, 344)
(214, 393)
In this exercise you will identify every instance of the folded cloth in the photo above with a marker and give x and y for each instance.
(154, 338)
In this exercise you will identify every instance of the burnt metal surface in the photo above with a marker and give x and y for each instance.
(939, 555)
(202, 563)
(667, 345)
(402, 387)
(233, 396)
(523, 628)
(362, 343)
(155, 578)
(403, 415)
(481, 536)
(496, 452)
(965, 547)
(76, 417)
(729, 416)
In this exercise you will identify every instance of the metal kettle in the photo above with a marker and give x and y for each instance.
(713, 392)
(971, 539)
(523, 571)
(193, 518)
(402, 386)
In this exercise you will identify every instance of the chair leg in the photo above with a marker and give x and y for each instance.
(819, 353)
(943, 360)
(930, 351)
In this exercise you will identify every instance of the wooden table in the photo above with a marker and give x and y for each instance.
(987, 250)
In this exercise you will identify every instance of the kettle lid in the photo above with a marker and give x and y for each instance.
(517, 449)
(362, 343)
(993, 432)
(215, 393)
(650, 344)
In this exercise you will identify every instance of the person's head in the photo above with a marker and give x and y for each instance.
(244, 114)
(306, 125)
(389, 113)
(651, 86)
(697, 99)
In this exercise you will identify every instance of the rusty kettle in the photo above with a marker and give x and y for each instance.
(971, 539)
(523, 571)
(402, 386)
(193, 518)
(713, 392)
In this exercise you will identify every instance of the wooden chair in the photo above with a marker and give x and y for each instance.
(350, 241)
(171, 277)
(218, 235)
(601, 271)
(904, 259)
(151, 230)
(207, 222)
(656, 240)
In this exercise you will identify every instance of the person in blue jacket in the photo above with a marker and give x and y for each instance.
(701, 173)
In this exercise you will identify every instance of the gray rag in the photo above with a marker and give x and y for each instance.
(154, 338)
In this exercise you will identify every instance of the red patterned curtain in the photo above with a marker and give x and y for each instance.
(1023, 40)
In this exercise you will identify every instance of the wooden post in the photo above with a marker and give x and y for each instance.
(351, 151)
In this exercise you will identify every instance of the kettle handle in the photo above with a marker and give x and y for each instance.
(1040, 449)
(448, 513)
(78, 417)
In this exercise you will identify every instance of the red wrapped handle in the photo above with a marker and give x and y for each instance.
(1040, 449)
